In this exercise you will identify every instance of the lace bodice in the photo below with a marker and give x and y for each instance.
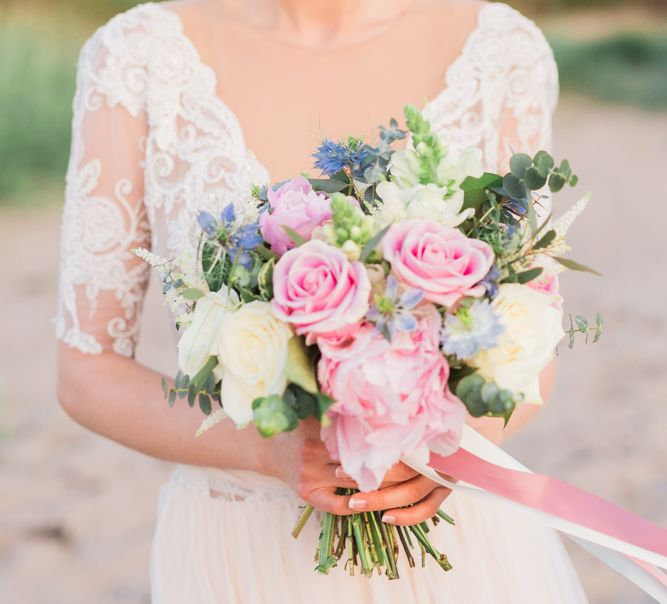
(153, 143)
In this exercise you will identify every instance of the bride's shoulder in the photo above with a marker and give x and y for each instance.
(488, 21)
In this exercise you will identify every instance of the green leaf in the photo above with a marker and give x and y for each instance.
(372, 243)
(192, 293)
(328, 185)
(469, 390)
(546, 240)
(519, 163)
(534, 180)
(205, 403)
(324, 402)
(165, 386)
(192, 395)
(565, 169)
(514, 187)
(265, 279)
(529, 275)
(485, 181)
(575, 266)
(582, 323)
(293, 235)
(556, 182)
(599, 325)
(574, 181)
(544, 163)
(172, 397)
(203, 374)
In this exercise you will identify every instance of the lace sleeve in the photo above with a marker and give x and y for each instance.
(529, 93)
(102, 282)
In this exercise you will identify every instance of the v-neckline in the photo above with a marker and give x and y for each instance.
(217, 96)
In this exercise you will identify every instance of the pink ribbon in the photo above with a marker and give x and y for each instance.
(557, 498)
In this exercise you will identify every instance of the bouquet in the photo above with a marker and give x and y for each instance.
(401, 291)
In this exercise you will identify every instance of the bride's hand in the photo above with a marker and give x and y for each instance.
(402, 487)
(302, 461)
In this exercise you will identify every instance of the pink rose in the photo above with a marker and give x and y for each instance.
(441, 261)
(318, 290)
(295, 205)
(391, 398)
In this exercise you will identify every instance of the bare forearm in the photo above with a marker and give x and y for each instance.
(122, 400)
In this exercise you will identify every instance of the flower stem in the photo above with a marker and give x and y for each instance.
(301, 522)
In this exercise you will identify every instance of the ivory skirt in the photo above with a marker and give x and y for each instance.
(224, 537)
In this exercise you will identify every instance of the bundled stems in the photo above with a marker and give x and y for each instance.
(369, 544)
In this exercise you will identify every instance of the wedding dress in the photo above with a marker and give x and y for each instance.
(153, 143)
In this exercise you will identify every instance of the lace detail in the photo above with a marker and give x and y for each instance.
(153, 144)
(500, 93)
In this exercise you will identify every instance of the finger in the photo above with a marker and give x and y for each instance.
(326, 500)
(334, 475)
(398, 495)
(425, 509)
(399, 473)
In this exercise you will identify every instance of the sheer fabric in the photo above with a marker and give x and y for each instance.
(152, 145)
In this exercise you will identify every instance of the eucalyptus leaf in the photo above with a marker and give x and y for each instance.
(544, 163)
(172, 397)
(534, 180)
(205, 403)
(514, 187)
(519, 163)
(556, 182)
(582, 323)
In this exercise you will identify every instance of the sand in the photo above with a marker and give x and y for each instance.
(77, 512)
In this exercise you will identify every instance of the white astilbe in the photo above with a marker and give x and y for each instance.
(212, 420)
(563, 224)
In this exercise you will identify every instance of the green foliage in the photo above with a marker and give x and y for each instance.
(580, 325)
(627, 67)
(202, 388)
(485, 399)
(274, 414)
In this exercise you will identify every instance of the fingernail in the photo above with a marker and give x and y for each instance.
(357, 504)
(388, 519)
(340, 473)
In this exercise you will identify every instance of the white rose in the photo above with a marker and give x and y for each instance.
(198, 342)
(252, 346)
(533, 329)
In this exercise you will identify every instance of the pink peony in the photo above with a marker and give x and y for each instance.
(547, 282)
(391, 398)
(441, 261)
(318, 290)
(296, 205)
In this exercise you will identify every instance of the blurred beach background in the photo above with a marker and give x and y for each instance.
(77, 512)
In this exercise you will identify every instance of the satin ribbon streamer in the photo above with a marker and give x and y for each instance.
(624, 541)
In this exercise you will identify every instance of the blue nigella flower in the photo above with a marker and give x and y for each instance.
(207, 222)
(392, 311)
(472, 329)
(490, 282)
(237, 241)
(332, 157)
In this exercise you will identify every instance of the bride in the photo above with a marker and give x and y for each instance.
(181, 106)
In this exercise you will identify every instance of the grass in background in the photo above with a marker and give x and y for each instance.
(624, 68)
(37, 79)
